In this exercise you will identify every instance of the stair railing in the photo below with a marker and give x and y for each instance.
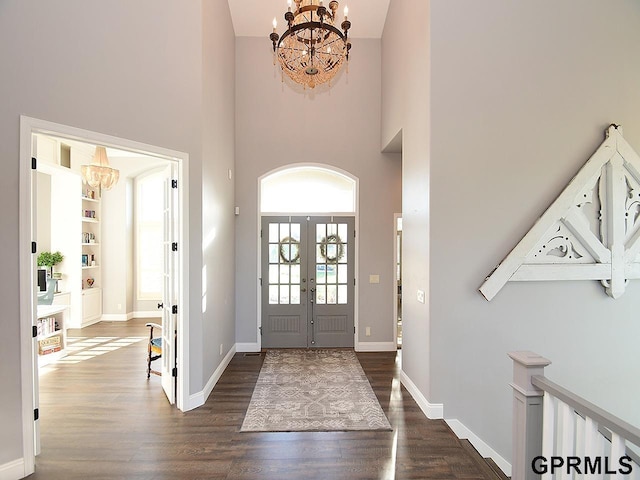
(560, 435)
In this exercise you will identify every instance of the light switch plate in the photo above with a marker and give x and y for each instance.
(374, 278)
(421, 296)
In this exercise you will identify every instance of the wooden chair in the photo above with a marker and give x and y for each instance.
(154, 348)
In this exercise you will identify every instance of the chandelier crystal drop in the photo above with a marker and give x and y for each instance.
(312, 49)
(99, 173)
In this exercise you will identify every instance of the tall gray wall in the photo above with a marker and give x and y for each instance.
(405, 101)
(133, 70)
(520, 96)
(276, 126)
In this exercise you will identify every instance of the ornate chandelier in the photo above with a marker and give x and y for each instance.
(99, 173)
(311, 50)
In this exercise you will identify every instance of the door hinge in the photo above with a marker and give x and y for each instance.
(354, 234)
(34, 247)
(260, 328)
(174, 183)
(174, 247)
(174, 309)
(36, 414)
(260, 233)
(34, 163)
(260, 281)
(354, 282)
(174, 372)
(34, 331)
(354, 329)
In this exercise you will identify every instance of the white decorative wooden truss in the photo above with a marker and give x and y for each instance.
(591, 231)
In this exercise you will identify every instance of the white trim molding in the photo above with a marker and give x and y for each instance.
(590, 232)
(462, 432)
(147, 314)
(434, 411)
(116, 317)
(376, 347)
(13, 470)
(198, 399)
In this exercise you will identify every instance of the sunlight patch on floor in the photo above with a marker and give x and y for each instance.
(83, 348)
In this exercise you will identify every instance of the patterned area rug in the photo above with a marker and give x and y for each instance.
(313, 390)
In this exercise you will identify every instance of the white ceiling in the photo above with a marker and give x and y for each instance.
(252, 18)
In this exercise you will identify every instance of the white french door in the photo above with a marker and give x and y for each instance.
(170, 290)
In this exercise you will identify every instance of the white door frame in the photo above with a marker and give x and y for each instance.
(28, 127)
(356, 215)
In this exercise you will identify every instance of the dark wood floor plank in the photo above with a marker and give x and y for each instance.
(102, 419)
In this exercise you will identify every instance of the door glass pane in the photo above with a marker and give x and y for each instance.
(321, 294)
(295, 231)
(273, 253)
(285, 252)
(321, 273)
(284, 294)
(273, 232)
(331, 274)
(332, 294)
(332, 252)
(321, 232)
(343, 259)
(319, 255)
(295, 294)
(342, 294)
(273, 294)
(295, 273)
(273, 274)
(332, 229)
(342, 274)
(284, 274)
(284, 231)
(342, 231)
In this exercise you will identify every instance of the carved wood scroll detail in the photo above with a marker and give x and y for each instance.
(590, 232)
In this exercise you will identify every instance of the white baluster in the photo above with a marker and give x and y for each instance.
(592, 443)
(548, 430)
(566, 438)
(618, 449)
(580, 435)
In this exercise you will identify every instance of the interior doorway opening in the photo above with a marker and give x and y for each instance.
(56, 146)
(398, 282)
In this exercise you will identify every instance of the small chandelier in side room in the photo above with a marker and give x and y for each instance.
(311, 50)
(99, 173)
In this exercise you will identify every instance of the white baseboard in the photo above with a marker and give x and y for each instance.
(247, 347)
(149, 314)
(376, 347)
(198, 399)
(483, 449)
(12, 470)
(117, 317)
(431, 410)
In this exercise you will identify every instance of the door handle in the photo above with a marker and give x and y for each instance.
(303, 289)
(160, 305)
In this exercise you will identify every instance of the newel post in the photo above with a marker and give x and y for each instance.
(527, 413)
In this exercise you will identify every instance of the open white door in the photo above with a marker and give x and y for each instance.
(170, 291)
(36, 372)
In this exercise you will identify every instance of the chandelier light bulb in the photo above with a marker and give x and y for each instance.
(289, 5)
(275, 24)
(328, 49)
(346, 12)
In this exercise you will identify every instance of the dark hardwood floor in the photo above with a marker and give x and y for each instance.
(102, 419)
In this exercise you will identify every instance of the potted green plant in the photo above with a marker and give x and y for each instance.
(49, 259)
